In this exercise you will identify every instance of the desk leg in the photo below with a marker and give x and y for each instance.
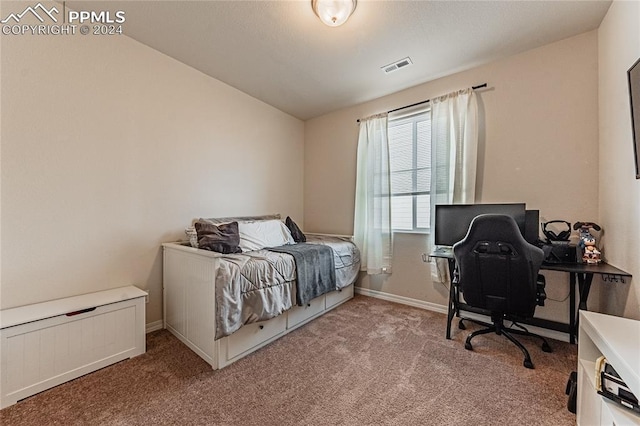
(572, 308)
(584, 286)
(451, 309)
(584, 281)
(453, 299)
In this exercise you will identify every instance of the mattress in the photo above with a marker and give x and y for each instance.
(345, 254)
(259, 285)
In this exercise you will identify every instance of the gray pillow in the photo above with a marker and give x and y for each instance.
(221, 238)
(296, 233)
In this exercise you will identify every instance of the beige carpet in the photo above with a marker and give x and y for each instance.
(368, 362)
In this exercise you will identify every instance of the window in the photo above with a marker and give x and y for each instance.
(410, 167)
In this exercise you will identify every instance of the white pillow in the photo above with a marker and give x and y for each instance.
(264, 233)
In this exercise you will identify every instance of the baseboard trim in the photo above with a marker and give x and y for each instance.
(154, 326)
(552, 334)
(402, 300)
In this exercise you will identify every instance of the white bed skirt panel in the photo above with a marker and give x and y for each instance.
(189, 308)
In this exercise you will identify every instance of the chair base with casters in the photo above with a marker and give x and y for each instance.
(498, 327)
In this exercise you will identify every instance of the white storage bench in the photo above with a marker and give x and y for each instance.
(46, 344)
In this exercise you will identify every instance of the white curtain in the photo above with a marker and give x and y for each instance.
(372, 220)
(454, 153)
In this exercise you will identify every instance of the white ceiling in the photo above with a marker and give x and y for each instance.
(280, 52)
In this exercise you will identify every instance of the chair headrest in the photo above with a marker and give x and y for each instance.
(494, 227)
(497, 234)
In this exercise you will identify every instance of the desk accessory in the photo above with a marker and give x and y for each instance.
(589, 253)
(610, 385)
(557, 248)
(556, 236)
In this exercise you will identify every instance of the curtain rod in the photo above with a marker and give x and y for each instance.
(428, 100)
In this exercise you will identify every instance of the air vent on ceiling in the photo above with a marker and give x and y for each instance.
(397, 65)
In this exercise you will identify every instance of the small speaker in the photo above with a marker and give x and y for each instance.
(531, 221)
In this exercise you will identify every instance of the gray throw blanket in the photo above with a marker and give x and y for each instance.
(315, 270)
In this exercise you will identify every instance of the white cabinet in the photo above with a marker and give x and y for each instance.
(618, 339)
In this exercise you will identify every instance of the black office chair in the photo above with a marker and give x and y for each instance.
(497, 271)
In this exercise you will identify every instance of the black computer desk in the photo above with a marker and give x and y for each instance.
(579, 273)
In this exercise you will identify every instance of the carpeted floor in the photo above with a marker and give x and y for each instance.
(367, 362)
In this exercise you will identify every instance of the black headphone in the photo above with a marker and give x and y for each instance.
(560, 236)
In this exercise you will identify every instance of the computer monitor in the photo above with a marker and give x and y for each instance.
(453, 220)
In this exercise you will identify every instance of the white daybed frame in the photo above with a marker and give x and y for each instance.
(189, 308)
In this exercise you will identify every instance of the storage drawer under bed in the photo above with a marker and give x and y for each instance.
(336, 297)
(299, 314)
(255, 335)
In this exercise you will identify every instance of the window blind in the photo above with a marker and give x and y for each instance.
(410, 168)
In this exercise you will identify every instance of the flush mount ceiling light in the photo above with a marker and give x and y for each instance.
(333, 12)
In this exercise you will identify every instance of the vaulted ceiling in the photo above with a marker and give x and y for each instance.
(280, 52)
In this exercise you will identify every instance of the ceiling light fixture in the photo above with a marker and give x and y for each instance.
(333, 12)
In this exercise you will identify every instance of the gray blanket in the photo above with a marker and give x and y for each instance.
(315, 270)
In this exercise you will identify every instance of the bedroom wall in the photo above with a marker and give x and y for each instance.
(619, 48)
(110, 148)
(539, 145)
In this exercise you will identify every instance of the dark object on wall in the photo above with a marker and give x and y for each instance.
(634, 97)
